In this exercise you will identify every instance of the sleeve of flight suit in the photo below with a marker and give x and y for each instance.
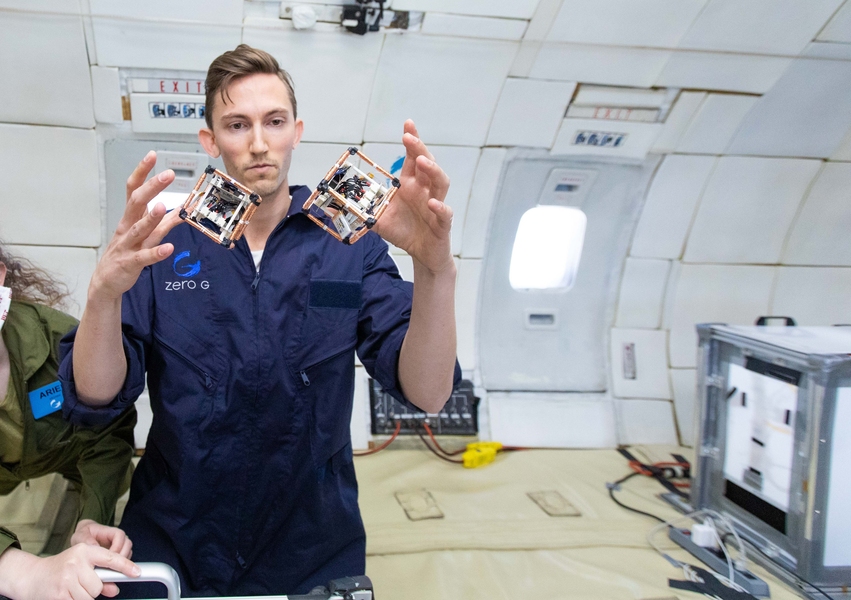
(104, 466)
(8, 540)
(137, 317)
(384, 317)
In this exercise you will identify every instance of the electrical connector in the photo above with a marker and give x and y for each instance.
(480, 454)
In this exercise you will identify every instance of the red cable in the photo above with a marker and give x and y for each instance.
(433, 439)
(384, 445)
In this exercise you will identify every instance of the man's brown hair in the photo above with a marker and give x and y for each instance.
(241, 62)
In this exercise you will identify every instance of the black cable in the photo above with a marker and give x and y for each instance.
(773, 562)
(615, 485)
(438, 454)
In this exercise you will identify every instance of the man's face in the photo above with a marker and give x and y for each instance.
(254, 132)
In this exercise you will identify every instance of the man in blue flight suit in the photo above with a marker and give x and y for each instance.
(247, 485)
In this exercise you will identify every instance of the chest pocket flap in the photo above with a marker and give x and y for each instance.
(331, 322)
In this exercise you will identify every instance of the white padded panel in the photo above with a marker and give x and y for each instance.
(515, 9)
(813, 295)
(650, 23)
(759, 26)
(38, 214)
(829, 50)
(678, 121)
(732, 294)
(747, 209)
(459, 163)
(529, 112)
(205, 11)
(405, 264)
(312, 161)
(309, 56)
(542, 20)
(651, 364)
(477, 219)
(447, 70)
(715, 123)
(525, 59)
(642, 292)
(806, 114)
(54, 6)
(684, 383)
(466, 318)
(44, 70)
(360, 425)
(637, 143)
(670, 206)
(71, 266)
(723, 72)
(636, 67)
(843, 151)
(473, 27)
(838, 29)
(159, 45)
(646, 422)
(819, 235)
(544, 420)
(106, 89)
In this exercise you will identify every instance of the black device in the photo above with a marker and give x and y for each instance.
(458, 417)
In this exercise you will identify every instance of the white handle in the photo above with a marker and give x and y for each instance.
(159, 572)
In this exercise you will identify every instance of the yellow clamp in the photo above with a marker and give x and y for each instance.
(480, 454)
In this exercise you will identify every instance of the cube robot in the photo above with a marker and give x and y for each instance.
(222, 210)
(350, 198)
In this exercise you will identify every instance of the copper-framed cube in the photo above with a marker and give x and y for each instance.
(352, 199)
(222, 210)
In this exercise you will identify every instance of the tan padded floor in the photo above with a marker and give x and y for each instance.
(495, 542)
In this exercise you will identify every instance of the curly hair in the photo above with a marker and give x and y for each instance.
(31, 284)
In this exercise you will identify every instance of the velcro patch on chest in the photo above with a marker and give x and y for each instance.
(334, 294)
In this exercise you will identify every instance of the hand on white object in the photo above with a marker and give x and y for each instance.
(94, 534)
(70, 574)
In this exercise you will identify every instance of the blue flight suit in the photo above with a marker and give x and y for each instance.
(247, 485)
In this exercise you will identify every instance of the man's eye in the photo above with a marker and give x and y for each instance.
(237, 126)
(277, 122)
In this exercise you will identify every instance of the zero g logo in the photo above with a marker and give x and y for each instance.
(185, 269)
(182, 267)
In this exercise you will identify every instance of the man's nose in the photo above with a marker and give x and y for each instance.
(258, 141)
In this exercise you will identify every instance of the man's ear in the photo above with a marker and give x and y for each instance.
(208, 142)
(299, 131)
(2, 273)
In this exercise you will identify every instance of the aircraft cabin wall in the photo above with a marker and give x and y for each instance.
(736, 116)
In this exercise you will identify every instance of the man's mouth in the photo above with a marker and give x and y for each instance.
(261, 167)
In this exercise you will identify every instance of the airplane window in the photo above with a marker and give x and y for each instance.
(547, 248)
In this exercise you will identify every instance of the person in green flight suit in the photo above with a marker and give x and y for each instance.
(34, 438)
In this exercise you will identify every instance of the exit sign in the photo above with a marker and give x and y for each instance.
(155, 85)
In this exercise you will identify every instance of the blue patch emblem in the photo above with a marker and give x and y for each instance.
(46, 400)
(397, 166)
(185, 270)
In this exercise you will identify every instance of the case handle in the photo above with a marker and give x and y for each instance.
(789, 321)
(158, 572)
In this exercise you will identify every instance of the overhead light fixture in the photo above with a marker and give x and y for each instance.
(547, 248)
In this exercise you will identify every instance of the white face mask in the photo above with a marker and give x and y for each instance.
(5, 301)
